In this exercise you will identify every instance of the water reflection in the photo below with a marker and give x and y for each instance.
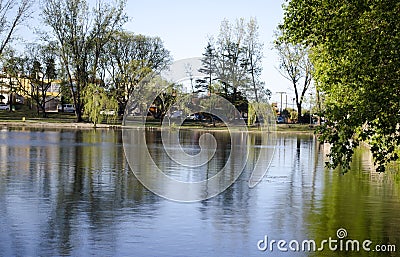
(163, 167)
(54, 182)
(364, 202)
(70, 192)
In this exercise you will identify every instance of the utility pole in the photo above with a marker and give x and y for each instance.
(281, 100)
(286, 103)
(189, 73)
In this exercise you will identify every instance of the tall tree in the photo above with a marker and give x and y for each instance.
(81, 34)
(296, 67)
(130, 58)
(356, 59)
(254, 59)
(208, 68)
(14, 66)
(234, 61)
(32, 73)
(231, 57)
(41, 73)
(99, 104)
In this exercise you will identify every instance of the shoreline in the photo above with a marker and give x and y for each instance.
(66, 125)
(280, 128)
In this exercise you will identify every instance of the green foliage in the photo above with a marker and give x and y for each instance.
(208, 68)
(166, 98)
(38, 67)
(251, 115)
(293, 115)
(130, 58)
(233, 62)
(81, 33)
(259, 112)
(356, 58)
(97, 100)
(65, 91)
(41, 71)
(295, 66)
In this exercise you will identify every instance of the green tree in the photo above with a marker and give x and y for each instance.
(296, 67)
(99, 104)
(15, 69)
(356, 58)
(42, 71)
(231, 58)
(208, 68)
(254, 48)
(166, 99)
(130, 58)
(32, 73)
(234, 61)
(81, 34)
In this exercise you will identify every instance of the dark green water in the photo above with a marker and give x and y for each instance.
(71, 192)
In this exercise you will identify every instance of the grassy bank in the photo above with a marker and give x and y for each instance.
(25, 117)
(304, 128)
(23, 112)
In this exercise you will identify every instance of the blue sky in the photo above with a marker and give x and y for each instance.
(185, 25)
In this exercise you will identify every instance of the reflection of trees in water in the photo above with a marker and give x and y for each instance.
(86, 193)
(361, 201)
(298, 160)
(292, 182)
(230, 213)
(231, 210)
(87, 184)
(189, 140)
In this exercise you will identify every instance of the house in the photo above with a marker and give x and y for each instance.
(21, 90)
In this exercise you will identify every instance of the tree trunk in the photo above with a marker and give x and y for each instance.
(319, 107)
(299, 114)
(78, 116)
(44, 113)
(253, 78)
(78, 112)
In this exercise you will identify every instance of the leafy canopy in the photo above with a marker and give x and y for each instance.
(357, 66)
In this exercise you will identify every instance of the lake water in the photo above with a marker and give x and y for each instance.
(71, 192)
